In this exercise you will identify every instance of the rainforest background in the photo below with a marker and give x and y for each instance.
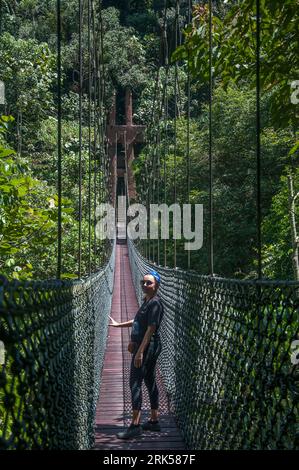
(134, 55)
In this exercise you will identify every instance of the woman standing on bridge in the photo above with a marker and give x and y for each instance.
(145, 347)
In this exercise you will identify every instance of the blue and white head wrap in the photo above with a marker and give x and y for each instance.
(155, 275)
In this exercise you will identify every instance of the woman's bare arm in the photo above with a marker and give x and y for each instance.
(116, 324)
(146, 339)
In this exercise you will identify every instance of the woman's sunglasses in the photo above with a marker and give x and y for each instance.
(147, 283)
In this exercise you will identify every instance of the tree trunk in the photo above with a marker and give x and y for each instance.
(295, 238)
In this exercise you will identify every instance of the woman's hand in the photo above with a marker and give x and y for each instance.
(131, 347)
(113, 322)
(138, 359)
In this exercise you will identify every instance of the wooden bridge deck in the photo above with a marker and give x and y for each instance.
(113, 411)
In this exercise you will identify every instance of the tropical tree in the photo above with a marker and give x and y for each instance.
(234, 50)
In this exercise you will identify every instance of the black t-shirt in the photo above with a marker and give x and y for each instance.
(149, 314)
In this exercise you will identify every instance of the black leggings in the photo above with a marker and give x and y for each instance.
(147, 373)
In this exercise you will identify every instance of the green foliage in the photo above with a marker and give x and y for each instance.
(124, 53)
(29, 207)
(144, 23)
(28, 218)
(148, 108)
(277, 250)
(234, 178)
(28, 70)
(131, 32)
(234, 50)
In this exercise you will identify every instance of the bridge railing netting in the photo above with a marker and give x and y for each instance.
(226, 358)
(54, 334)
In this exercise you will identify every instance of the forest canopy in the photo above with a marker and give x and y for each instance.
(159, 50)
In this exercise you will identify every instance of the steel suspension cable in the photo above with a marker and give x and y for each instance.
(104, 163)
(153, 124)
(126, 169)
(148, 184)
(102, 72)
(81, 7)
(89, 136)
(148, 181)
(175, 129)
(95, 128)
(99, 64)
(59, 140)
(211, 254)
(154, 186)
(188, 127)
(166, 58)
(258, 138)
(158, 188)
(102, 78)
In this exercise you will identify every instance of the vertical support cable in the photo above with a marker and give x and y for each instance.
(150, 195)
(211, 255)
(115, 181)
(147, 182)
(165, 167)
(1, 15)
(158, 133)
(188, 128)
(89, 138)
(158, 189)
(80, 135)
(95, 125)
(59, 140)
(175, 128)
(19, 131)
(126, 169)
(103, 83)
(166, 120)
(148, 188)
(258, 138)
(100, 73)
(154, 186)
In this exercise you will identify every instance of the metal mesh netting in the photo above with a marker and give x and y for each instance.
(54, 334)
(226, 358)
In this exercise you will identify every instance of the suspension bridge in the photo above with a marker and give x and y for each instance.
(225, 376)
